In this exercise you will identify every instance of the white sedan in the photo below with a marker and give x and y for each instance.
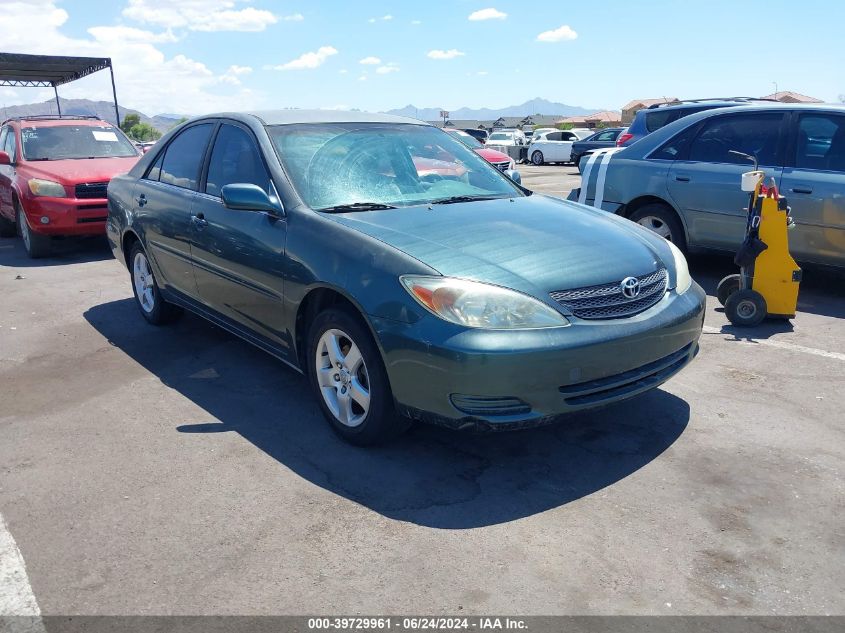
(554, 146)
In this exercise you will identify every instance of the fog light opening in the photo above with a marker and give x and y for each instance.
(45, 219)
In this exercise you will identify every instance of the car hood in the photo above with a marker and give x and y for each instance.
(81, 169)
(492, 156)
(535, 244)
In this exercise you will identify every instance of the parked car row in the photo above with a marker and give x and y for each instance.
(555, 146)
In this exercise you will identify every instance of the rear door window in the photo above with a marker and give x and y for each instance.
(756, 134)
(184, 155)
(821, 142)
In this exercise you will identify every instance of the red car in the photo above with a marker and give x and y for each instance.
(53, 177)
(496, 158)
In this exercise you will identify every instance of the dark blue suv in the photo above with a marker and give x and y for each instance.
(655, 117)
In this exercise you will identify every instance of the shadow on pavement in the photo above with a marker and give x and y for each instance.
(431, 476)
(68, 250)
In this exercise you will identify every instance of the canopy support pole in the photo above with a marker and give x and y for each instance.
(114, 94)
(58, 105)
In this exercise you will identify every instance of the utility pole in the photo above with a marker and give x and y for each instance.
(776, 89)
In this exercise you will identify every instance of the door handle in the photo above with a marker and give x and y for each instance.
(680, 178)
(142, 200)
(801, 190)
(199, 221)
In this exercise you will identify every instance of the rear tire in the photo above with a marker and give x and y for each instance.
(661, 219)
(148, 297)
(36, 245)
(746, 308)
(537, 158)
(348, 378)
(727, 287)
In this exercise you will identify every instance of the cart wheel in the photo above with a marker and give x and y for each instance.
(727, 287)
(746, 307)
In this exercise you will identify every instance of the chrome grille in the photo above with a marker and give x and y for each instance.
(91, 190)
(503, 166)
(606, 301)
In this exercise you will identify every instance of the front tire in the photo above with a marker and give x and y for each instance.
(348, 378)
(148, 297)
(537, 158)
(661, 219)
(7, 227)
(36, 245)
(746, 308)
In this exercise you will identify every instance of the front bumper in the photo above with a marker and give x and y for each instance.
(464, 378)
(66, 216)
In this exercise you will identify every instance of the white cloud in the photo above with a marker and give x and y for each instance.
(342, 71)
(487, 14)
(450, 54)
(181, 84)
(200, 15)
(416, 22)
(308, 61)
(232, 75)
(370, 61)
(392, 67)
(362, 78)
(564, 33)
(384, 18)
(482, 73)
(296, 17)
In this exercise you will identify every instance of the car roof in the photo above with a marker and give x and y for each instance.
(649, 142)
(290, 117)
(53, 121)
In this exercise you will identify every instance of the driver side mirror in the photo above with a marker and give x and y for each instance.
(4, 159)
(249, 197)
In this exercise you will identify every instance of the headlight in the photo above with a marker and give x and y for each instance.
(479, 305)
(682, 277)
(49, 188)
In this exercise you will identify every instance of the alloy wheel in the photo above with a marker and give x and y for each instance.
(142, 277)
(342, 377)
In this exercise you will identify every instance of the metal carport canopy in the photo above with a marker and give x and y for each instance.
(45, 71)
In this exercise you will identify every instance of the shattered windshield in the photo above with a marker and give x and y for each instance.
(363, 166)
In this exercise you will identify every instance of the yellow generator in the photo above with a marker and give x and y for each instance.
(767, 285)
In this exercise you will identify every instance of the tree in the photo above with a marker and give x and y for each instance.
(143, 132)
(128, 121)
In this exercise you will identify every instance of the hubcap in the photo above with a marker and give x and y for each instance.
(657, 225)
(342, 377)
(142, 277)
(746, 309)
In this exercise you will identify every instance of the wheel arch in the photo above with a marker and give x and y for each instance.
(126, 243)
(627, 210)
(317, 299)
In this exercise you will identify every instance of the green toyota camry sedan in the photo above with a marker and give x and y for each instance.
(403, 274)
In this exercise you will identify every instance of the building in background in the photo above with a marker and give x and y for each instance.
(787, 96)
(632, 107)
(605, 118)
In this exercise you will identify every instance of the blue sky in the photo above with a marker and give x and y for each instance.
(195, 56)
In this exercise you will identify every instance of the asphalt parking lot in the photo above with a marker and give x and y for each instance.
(181, 471)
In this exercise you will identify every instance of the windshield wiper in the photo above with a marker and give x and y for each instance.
(357, 206)
(454, 199)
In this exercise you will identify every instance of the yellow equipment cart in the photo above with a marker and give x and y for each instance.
(767, 285)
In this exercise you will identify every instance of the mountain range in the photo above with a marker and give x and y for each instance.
(533, 106)
(101, 109)
(163, 122)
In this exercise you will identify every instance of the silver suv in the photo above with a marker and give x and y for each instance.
(683, 180)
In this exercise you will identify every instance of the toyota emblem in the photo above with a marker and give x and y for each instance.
(630, 287)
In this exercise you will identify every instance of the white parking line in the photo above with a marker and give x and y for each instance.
(792, 347)
(16, 597)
